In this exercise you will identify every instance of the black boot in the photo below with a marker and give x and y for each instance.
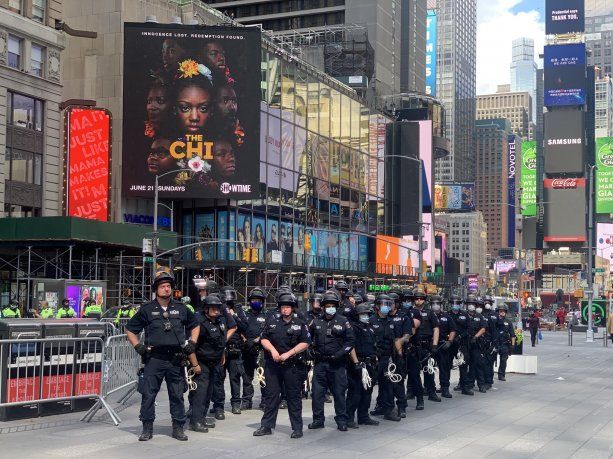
(420, 402)
(147, 432)
(468, 392)
(178, 433)
(262, 431)
(445, 392)
(501, 378)
(391, 416)
(433, 397)
(198, 427)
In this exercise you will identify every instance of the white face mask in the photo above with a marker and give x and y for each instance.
(488, 306)
(470, 307)
(364, 318)
(436, 307)
(479, 310)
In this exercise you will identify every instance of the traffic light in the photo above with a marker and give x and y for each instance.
(307, 243)
(250, 255)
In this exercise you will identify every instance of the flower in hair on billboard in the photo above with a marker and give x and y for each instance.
(196, 164)
(188, 68)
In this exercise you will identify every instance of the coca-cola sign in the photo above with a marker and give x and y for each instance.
(565, 183)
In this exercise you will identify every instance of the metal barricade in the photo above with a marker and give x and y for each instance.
(47, 370)
(119, 371)
(116, 326)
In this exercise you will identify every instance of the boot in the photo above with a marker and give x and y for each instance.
(420, 403)
(402, 412)
(468, 392)
(147, 433)
(262, 431)
(246, 406)
(501, 378)
(369, 422)
(178, 433)
(445, 392)
(236, 409)
(378, 411)
(433, 397)
(198, 427)
(392, 416)
(457, 388)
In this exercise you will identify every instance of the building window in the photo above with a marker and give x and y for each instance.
(15, 44)
(24, 166)
(14, 211)
(15, 6)
(36, 60)
(24, 111)
(38, 10)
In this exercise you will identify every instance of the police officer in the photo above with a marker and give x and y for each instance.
(346, 306)
(315, 309)
(284, 337)
(205, 287)
(187, 301)
(333, 339)
(383, 327)
(475, 326)
(506, 340)
(46, 311)
(399, 318)
(126, 311)
(166, 324)
(490, 340)
(210, 351)
(255, 321)
(234, 358)
(447, 331)
(424, 346)
(92, 310)
(65, 311)
(363, 357)
(407, 299)
(11, 311)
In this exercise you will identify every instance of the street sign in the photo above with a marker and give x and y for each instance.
(147, 259)
(599, 270)
(147, 245)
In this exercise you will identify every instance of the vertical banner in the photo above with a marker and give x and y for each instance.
(86, 168)
(511, 190)
(604, 175)
(528, 178)
(431, 23)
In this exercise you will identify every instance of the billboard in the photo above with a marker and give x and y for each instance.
(504, 266)
(88, 162)
(528, 178)
(604, 241)
(565, 75)
(564, 16)
(431, 23)
(564, 142)
(454, 196)
(604, 175)
(394, 257)
(566, 207)
(512, 172)
(191, 111)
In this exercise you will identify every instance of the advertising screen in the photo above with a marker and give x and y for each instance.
(604, 241)
(512, 170)
(79, 294)
(191, 111)
(504, 266)
(564, 75)
(564, 16)
(528, 178)
(566, 207)
(454, 196)
(604, 175)
(564, 144)
(431, 24)
(88, 163)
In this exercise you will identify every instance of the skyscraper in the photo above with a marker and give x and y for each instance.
(598, 7)
(598, 38)
(456, 85)
(523, 70)
(513, 106)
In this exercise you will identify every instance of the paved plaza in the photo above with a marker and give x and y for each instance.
(566, 410)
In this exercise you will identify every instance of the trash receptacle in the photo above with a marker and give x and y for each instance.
(88, 362)
(57, 372)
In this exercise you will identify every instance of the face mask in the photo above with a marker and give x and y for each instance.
(471, 307)
(330, 311)
(455, 307)
(364, 318)
(436, 307)
(479, 310)
(407, 305)
(202, 297)
(256, 305)
(488, 306)
(385, 310)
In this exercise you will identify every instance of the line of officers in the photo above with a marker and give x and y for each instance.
(343, 346)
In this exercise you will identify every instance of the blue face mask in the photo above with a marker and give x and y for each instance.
(330, 311)
(407, 305)
(455, 307)
(256, 305)
(364, 318)
(385, 310)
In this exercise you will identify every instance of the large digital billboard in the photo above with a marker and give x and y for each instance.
(604, 175)
(87, 165)
(191, 111)
(511, 177)
(564, 16)
(565, 218)
(564, 144)
(604, 241)
(431, 23)
(528, 178)
(454, 196)
(564, 75)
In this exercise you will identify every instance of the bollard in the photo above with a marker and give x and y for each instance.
(570, 334)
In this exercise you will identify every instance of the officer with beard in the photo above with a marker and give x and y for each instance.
(447, 331)
(506, 340)
(255, 320)
(491, 338)
(333, 340)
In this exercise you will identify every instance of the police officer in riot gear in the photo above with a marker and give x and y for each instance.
(447, 332)
(166, 323)
(234, 358)
(383, 327)
(210, 351)
(363, 357)
(284, 337)
(399, 317)
(346, 307)
(205, 287)
(255, 321)
(315, 309)
(506, 340)
(407, 299)
(490, 340)
(333, 339)
(471, 327)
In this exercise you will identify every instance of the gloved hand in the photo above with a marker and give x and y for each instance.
(189, 348)
(141, 349)
(433, 349)
(446, 345)
(358, 366)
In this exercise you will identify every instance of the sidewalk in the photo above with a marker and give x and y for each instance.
(564, 411)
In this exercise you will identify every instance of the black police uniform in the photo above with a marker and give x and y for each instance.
(209, 351)
(165, 337)
(403, 323)
(420, 350)
(460, 319)
(506, 332)
(234, 366)
(284, 336)
(490, 343)
(255, 322)
(475, 361)
(385, 337)
(444, 357)
(333, 339)
(346, 308)
(358, 398)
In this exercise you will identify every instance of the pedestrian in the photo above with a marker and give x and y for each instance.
(333, 340)
(506, 340)
(210, 351)
(534, 323)
(65, 311)
(11, 311)
(447, 333)
(166, 324)
(284, 337)
(256, 319)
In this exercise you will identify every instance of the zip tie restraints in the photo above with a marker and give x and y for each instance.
(190, 375)
(366, 379)
(259, 377)
(391, 373)
(458, 360)
(431, 367)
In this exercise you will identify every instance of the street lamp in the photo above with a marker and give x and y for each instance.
(589, 336)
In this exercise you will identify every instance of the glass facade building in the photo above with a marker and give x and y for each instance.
(523, 70)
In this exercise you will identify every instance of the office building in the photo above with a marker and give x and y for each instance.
(594, 8)
(491, 184)
(30, 117)
(604, 107)
(456, 85)
(523, 70)
(599, 39)
(514, 106)
(539, 102)
(467, 240)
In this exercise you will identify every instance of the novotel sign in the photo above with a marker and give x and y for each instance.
(138, 219)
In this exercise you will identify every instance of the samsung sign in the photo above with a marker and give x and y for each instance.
(146, 220)
(564, 142)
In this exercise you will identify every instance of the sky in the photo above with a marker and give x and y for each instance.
(499, 22)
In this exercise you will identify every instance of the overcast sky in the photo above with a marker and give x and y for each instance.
(499, 22)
